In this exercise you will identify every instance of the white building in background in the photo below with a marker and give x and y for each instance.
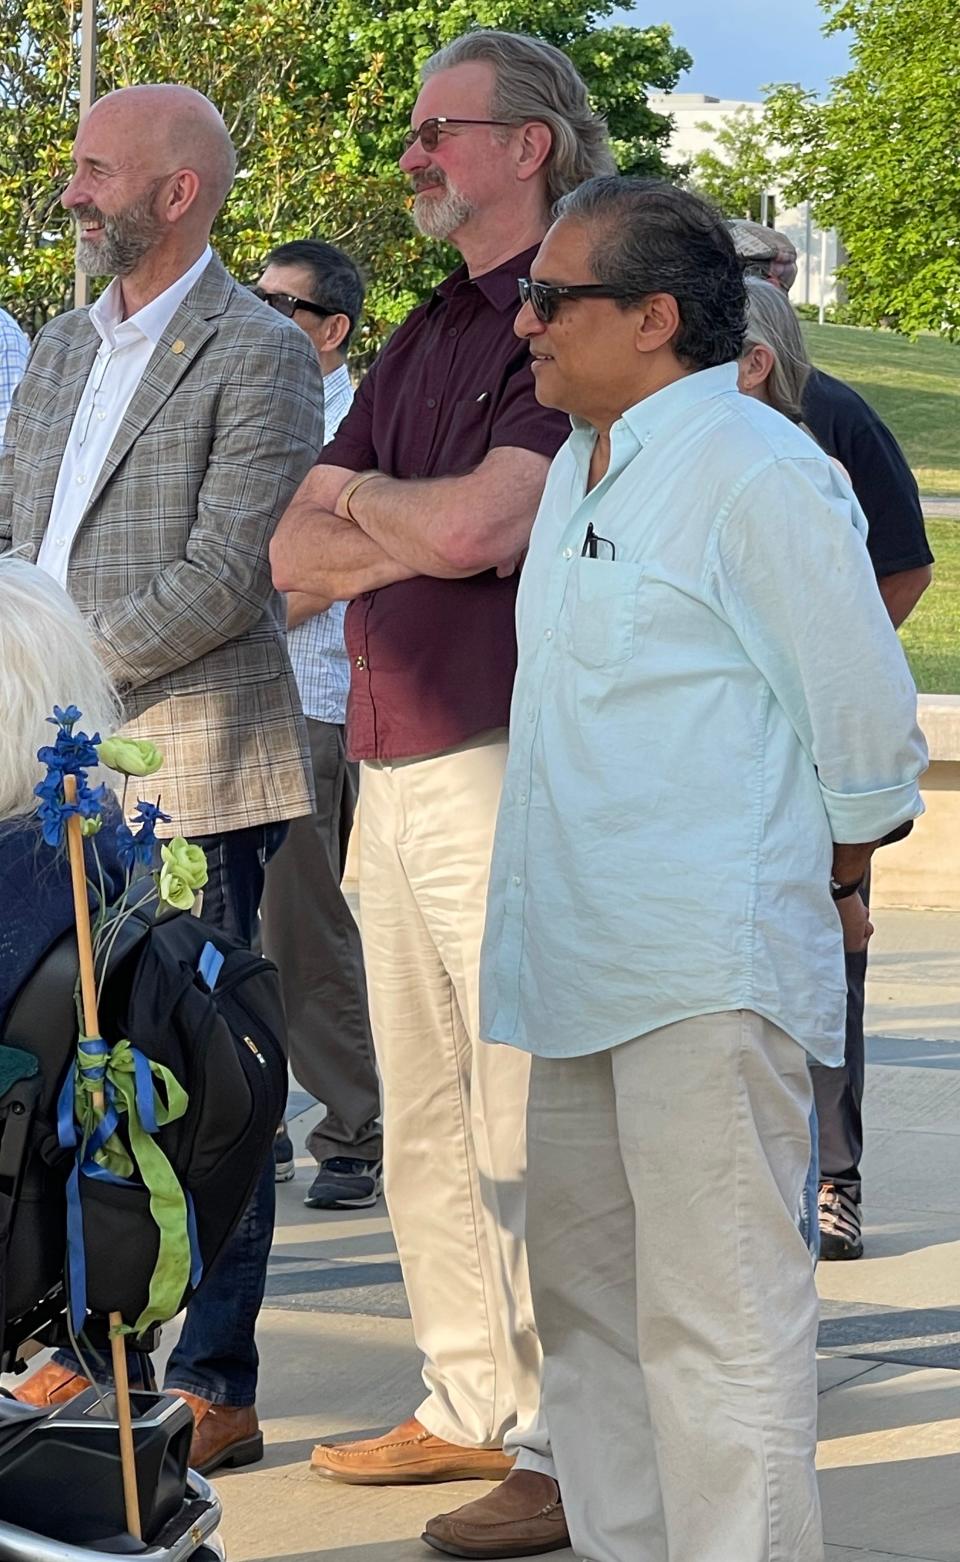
(696, 118)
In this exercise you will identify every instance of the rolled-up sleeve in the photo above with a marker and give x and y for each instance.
(791, 574)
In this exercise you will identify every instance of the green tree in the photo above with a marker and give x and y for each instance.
(316, 93)
(879, 160)
(740, 166)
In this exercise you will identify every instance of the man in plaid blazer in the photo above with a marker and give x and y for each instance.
(151, 449)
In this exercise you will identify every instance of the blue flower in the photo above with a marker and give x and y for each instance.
(71, 753)
(67, 719)
(149, 813)
(126, 847)
(140, 847)
(53, 814)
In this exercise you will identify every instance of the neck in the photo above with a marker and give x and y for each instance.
(330, 362)
(155, 273)
(493, 238)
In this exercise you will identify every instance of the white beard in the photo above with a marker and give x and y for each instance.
(437, 216)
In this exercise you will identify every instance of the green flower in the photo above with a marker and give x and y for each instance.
(183, 871)
(131, 756)
(91, 825)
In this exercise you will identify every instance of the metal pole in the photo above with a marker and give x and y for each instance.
(88, 91)
(809, 252)
(764, 207)
(823, 275)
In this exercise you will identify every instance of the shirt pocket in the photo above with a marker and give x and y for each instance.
(601, 628)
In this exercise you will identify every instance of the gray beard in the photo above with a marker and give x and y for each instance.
(127, 237)
(436, 217)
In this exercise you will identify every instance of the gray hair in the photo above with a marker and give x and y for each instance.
(535, 81)
(772, 323)
(47, 658)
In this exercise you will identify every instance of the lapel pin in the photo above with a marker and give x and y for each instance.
(178, 346)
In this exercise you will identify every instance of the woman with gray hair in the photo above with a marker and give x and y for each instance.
(774, 366)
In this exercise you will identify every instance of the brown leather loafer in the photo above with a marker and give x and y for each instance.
(406, 1456)
(52, 1385)
(224, 1436)
(522, 1518)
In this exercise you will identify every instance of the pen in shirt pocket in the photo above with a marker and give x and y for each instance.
(483, 396)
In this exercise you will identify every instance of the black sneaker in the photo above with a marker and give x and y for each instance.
(839, 1214)
(284, 1169)
(344, 1183)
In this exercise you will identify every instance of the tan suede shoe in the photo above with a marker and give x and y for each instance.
(224, 1437)
(52, 1385)
(407, 1455)
(522, 1518)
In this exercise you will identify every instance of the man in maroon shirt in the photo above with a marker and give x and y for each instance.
(421, 506)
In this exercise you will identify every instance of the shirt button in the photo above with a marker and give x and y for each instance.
(101, 417)
(81, 477)
(568, 553)
(360, 663)
(431, 401)
(61, 542)
(548, 634)
(531, 713)
(523, 799)
(516, 880)
(453, 331)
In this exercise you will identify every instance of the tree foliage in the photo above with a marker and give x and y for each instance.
(879, 160)
(317, 95)
(740, 166)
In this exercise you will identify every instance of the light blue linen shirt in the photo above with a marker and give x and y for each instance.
(317, 650)
(693, 723)
(14, 351)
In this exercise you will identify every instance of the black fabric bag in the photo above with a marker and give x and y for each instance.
(185, 996)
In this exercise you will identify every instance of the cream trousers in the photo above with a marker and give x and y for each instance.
(454, 1107)
(675, 1295)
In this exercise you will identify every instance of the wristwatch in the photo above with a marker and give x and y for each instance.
(843, 891)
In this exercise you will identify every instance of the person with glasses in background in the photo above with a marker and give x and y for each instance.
(712, 726)
(308, 928)
(417, 512)
(850, 431)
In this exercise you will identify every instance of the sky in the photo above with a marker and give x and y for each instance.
(740, 46)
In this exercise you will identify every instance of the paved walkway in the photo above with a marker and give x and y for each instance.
(339, 1357)
(941, 509)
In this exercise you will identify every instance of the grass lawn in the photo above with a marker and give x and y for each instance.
(931, 635)
(915, 387)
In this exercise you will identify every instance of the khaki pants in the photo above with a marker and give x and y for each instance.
(454, 1107)
(675, 1296)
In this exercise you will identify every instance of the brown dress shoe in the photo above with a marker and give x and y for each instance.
(407, 1455)
(224, 1436)
(52, 1385)
(522, 1518)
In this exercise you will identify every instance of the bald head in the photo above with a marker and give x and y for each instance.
(165, 128)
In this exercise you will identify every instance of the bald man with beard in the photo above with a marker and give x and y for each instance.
(151, 448)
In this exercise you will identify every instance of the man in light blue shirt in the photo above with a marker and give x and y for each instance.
(713, 725)
(308, 927)
(14, 351)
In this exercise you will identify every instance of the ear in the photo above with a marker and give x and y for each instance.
(535, 142)
(333, 331)
(181, 195)
(755, 368)
(657, 322)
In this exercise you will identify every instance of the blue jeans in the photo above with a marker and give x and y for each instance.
(216, 1355)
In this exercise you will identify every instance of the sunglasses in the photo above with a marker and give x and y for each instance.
(287, 304)
(429, 131)
(545, 299)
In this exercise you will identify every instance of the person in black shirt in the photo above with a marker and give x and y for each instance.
(849, 429)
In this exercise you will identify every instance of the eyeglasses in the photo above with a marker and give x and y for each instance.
(429, 131)
(545, 299)
(287, 304)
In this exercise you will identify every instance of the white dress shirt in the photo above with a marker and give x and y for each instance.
(126, 347)
(694, 721)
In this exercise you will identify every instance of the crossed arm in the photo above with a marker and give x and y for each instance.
(448, 527)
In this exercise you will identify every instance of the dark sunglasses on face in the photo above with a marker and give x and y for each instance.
(428, 131)
(287, 304)
(545, 299)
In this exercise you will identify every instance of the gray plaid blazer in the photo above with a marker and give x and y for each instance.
(170, 562)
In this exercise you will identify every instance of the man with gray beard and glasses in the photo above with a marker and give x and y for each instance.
(151, 448)
(416, 514)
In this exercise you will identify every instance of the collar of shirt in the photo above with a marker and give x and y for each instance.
(499, 286)
(642, 422)
(152, 320)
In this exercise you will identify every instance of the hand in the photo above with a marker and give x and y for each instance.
(856, 924)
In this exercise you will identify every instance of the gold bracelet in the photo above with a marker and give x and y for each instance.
(350, 490)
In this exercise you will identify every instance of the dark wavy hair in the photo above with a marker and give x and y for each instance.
(650, 237)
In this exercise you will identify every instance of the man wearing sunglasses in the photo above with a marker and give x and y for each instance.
(308, 928)
(431, 483)
(712, 727)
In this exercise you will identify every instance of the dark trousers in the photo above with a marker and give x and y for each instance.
(216, 1355)
(310, 932)
(838, 1092)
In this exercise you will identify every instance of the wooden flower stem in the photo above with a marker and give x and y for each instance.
(91, 1026)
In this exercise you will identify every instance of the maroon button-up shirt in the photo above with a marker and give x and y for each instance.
(433, 661)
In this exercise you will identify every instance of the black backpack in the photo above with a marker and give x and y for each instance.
(188, 997)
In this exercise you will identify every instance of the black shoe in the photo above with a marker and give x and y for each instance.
(344, 1183)
(284, 1169)
(839, 1215)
